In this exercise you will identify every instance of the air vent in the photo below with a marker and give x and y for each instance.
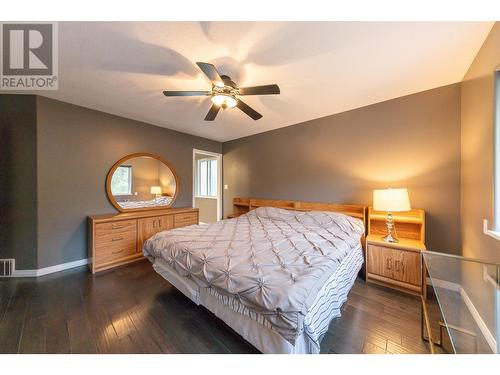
(7, 267)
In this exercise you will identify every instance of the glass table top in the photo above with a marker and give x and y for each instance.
(468, 299)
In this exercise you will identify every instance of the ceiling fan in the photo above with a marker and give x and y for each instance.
(225, 93)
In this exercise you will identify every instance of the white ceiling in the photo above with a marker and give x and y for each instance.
(321, 68)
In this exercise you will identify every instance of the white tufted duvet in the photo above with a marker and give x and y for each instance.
(271, 262)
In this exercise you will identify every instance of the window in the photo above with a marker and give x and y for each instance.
(206, 182)
(496, 160)
(121, 182)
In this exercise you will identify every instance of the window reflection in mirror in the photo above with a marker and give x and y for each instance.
(121, 182)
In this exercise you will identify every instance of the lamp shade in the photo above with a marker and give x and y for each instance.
(391, 200)
(155, 189)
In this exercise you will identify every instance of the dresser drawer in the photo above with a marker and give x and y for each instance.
(107, 251)
(188, 218)
(112, 240)
(118, 227)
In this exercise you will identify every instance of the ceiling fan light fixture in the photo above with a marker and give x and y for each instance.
(224, 101)
(225, 93)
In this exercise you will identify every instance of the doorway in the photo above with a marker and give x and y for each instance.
(207, 185)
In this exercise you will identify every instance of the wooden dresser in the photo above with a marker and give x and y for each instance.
(397, 265)
(117, 239)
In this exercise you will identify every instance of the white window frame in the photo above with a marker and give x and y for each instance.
(495, 232)
(219, 179)
(198, 193)
(129, 180)
(496, 148)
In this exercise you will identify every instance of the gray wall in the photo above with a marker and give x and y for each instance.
(412, 141)
(478, 115)
(18, 195)
(76, 149)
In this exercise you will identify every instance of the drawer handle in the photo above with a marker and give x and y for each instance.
(117, 239)
(388, 264)
(116, 227)
(117, 252)
(400, 266)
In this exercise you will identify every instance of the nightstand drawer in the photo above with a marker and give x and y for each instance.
(395, 264)
(407, 267)
(380, 261)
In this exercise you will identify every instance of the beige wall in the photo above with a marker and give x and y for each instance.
(208, 209)
(412, 141)
(477, 109)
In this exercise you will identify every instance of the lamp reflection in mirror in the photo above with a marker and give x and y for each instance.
(156, 190)
(391, 200)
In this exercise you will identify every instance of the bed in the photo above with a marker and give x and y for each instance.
(277, 277)
(160, 201)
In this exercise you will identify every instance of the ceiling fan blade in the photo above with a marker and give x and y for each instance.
(260, 90)
(211, 72)
(186, 93)
(248, 110)
(214, 109)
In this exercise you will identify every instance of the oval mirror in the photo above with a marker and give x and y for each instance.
(142, 182)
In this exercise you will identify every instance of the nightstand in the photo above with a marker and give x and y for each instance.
(396, 265)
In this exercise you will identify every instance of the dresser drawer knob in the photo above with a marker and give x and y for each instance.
(117, 252)
(116, 227)
(117, 239)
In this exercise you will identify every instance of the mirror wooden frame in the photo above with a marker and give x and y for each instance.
(113, 201)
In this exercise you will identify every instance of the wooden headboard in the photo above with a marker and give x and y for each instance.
(243, 205)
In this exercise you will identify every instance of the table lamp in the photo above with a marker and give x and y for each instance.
(391, 200)
(156, 190)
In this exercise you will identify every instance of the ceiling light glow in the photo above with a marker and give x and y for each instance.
(224, 101)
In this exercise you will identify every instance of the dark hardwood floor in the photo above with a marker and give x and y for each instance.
(133, 310)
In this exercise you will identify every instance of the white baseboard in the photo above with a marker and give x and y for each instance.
(490, 339)
(479, 321)
(444, 284)
(51, 269)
